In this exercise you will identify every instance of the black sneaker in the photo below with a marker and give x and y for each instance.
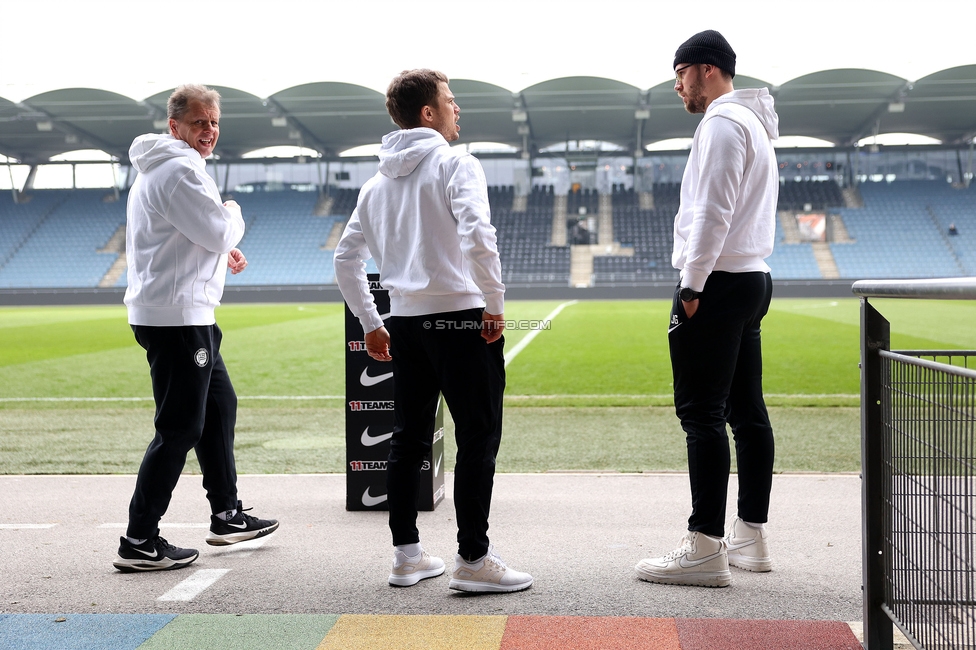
(240, 528)
(155, 554)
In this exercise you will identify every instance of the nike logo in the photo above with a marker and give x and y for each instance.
(241, 526)
(151, 556)
(437, 465)
(369, 501)
(366, 380)
(369, 441)
(671, 329)
(685, 563)
(735, 547)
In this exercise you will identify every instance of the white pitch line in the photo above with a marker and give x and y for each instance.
(194, 585)
(534, 333)
(26, 526)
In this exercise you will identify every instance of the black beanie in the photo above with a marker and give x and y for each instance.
(707, 47)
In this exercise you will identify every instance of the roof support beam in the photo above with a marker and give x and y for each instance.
(275, 109)
(83, 136)
(873, 122)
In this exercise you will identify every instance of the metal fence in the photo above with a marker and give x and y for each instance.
(918, 455)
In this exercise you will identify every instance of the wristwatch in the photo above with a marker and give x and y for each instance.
(687, 294)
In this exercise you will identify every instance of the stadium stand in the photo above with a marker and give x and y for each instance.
(60, 238)
(647, 231)
(902, 232)
(284, 241)
(524, 238)
(69, 228)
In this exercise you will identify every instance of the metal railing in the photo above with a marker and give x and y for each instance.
(918, 461)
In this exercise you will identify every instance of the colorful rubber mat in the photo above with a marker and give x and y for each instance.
(373, 632)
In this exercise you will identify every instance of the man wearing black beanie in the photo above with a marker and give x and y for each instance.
(723, 231)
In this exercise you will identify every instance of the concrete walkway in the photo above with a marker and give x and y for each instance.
(579, 534)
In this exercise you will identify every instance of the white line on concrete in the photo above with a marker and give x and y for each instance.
(161, 525)
(26, 526)
(534, 333)
(194, 585)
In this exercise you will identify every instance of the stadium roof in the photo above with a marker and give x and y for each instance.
(840, 106)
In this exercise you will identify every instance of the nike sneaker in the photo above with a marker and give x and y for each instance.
(699, 560)
(239, 528)
(747, 547)
(408, 571)
(155, 554)
(487, 575)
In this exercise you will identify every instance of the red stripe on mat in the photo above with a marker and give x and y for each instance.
(589, 633)
(726, 634)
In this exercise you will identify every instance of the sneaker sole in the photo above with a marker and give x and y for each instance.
(756, 565)
(487, 587)
(720, 579)
(132, 566)
(414, 578)
(233, 538)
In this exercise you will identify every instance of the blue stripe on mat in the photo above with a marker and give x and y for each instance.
(79, 631)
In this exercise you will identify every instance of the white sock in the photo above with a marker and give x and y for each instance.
(227, 515)
(410, 550)
(136, 542)
(475, 563)
(752, 525)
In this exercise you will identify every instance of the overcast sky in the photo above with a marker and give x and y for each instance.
(138, 47)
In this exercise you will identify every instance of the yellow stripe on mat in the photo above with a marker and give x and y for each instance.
(368, 632)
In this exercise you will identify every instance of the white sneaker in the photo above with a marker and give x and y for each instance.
(747, 547)
(408, 571)
(699, 561)
(489, 574)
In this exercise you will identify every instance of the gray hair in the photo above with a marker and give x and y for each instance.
(179, 101)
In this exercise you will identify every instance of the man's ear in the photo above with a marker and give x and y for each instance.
(426, 115)
(172, 128)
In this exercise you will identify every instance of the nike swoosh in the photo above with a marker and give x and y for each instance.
(437, 465)
(241, 526)
(671, 329)
(366, 380)
(151, 556)
(736, 547)
(369, 441)
(685, 563)
(369, 500)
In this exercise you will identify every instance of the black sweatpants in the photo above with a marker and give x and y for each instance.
(716, 360)
(196, 408)
(444, 353)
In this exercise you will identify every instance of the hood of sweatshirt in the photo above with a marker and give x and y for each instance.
(403, 150)
(149, 150)
(757, 100)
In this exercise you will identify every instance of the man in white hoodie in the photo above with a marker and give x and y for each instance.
(723, 231)
(424, 218)
(180, 240)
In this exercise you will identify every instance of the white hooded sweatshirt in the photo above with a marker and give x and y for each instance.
(177, 236)
(727, 217)
(424, 217)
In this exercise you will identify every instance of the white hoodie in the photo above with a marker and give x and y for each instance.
(727, 217)
(424, 217)
(177, 236)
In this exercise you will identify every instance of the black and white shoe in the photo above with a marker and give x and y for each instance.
(240, 528)
(155, 554)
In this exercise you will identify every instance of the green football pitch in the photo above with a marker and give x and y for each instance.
(589, 391)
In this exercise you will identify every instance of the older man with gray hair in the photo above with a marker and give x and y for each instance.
(180, 240)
